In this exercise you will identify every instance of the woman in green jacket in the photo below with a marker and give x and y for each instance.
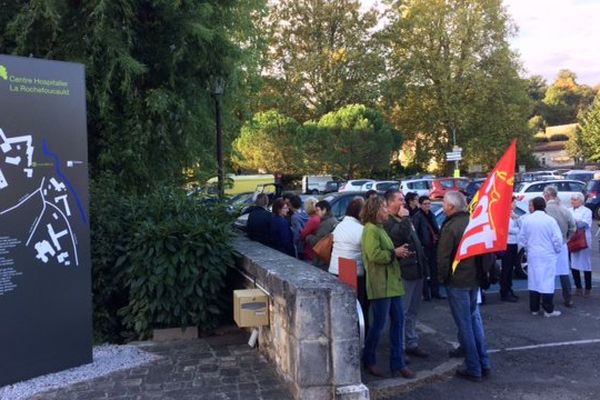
(384, 288)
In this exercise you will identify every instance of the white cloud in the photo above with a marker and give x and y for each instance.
(556, 34)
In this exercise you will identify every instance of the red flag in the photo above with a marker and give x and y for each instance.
(487, 231)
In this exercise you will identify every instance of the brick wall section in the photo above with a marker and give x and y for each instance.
(313, 334)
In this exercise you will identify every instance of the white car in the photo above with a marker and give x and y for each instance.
(420, 186)
(354, 185)
(380, 186)
(540, 176)
(526, 191)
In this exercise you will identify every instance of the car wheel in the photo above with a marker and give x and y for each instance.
(315, 191)
(521, 267)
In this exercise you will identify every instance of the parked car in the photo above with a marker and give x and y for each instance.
(381, 186)
(240, 202)
(333, 186)
(236, 184)
(354, 185)
(526, 191)
(339, 202)
(592, 200)
(473, 187)
(420, 186)
(315, 184)
(442, 185)
(580, 175)
(539, 176)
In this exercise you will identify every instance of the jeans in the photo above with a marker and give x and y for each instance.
(412, 302)
(465, 311)
(546, 298)
(509, 262)
(380, 309)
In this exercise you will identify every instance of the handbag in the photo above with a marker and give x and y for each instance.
(324, 247)
(578, 241)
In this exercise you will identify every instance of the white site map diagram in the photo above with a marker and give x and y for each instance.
(48, 210)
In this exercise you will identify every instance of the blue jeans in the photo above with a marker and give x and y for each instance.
(380, 309)
(465, 311)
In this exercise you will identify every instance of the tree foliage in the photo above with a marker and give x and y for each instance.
(565, 98)
(269, 142)
(358, 142)
(147, 68)
(589, 136)
(452, 69)
(352, 141)
(321, 57)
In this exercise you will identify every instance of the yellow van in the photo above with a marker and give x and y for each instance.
(236, 184)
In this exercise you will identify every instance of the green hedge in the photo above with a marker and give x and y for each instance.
(159, 260)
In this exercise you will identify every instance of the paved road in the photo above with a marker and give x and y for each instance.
(533, 357)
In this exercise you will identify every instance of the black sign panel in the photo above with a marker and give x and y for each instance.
(45, 268)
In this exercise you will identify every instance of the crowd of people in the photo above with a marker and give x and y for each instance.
(403, 257)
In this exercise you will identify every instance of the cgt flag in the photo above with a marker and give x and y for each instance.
(487, 231)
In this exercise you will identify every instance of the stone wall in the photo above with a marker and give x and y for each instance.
(313, 334)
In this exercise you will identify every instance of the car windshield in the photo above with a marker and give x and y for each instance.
(592, 185)
(447, 183)
(519, 186)
(584, 176)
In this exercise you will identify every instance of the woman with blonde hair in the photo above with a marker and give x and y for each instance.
(384, 288)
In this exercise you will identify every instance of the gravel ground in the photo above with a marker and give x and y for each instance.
(107, 359)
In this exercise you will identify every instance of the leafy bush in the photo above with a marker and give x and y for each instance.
(160, 260)
(559, 137)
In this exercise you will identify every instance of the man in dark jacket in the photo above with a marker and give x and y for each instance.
(413, 268)
(462, 288)
(429, 233)
(259, 220)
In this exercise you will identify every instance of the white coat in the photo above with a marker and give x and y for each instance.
(347, 237)
(582, 259)
(542, 238)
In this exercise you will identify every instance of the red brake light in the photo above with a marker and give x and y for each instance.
(592, 195)
(520, 197)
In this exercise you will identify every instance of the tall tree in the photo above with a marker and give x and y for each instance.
(565, 98)
(589, 135)
(358, 141)
(352, 141)
(451, 70)
(269, 142)
(321, 57)
(147, 66)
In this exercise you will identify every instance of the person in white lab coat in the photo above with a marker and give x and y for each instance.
(582, 260)
(542, 238)
(566, 223)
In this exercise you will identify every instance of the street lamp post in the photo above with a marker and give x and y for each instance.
(217, 88)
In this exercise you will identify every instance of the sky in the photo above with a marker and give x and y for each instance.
(555, 34)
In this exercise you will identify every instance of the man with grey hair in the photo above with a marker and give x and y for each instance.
(462, 288)
(567, 226)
